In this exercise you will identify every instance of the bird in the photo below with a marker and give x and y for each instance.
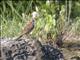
(29, 26)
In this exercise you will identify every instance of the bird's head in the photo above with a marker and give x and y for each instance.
(35, 15)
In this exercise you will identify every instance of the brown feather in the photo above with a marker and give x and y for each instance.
(27, 29)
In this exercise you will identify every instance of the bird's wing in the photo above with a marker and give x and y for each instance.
(27, 27)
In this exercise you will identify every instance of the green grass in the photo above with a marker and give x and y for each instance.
(12, 20)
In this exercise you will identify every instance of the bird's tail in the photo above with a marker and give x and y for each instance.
(20, 36)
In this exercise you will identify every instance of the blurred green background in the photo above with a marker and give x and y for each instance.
(55, 17)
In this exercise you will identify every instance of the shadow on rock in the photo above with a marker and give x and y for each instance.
(51, 53)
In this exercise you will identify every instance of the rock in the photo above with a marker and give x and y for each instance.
(28, 49)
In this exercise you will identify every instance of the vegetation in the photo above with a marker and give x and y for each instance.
(57, 16)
